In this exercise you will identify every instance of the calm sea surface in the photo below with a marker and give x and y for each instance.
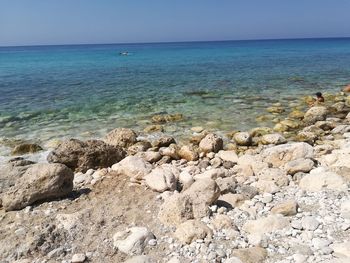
(83, 91)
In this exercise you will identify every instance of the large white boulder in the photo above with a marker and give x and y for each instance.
(161, 179)
(133, 167)
(321, 178)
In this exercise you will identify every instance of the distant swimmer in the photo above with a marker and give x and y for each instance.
(319, 99)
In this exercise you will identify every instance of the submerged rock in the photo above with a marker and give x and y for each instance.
(39, 182)
(164, 118)
(82, 156)
(25, 148)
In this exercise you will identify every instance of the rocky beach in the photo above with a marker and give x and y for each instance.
(278, 194)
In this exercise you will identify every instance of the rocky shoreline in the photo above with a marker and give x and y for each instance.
(264, 195)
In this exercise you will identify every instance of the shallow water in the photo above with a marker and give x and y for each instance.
(51, 92)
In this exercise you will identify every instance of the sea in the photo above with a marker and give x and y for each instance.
(83, 91)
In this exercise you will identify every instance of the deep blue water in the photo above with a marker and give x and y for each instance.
(52, 92)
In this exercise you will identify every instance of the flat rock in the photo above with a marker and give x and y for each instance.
(281, 154)
(320, 179)
(250, 255)
(133, 240)
(140, 259)
(341, 250)
(121, 137)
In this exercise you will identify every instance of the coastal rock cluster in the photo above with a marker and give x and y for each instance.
(261, 196)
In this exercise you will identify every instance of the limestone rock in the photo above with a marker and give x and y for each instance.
(133, 240)
(257, 228)
(121, 137)
(170, 151)
(281, 154)
(175, 210)
(226, 185)
(133, 166)
(274, 138)
(230, 200)
(211, 143)
(202, 193)
(220, 222)
(191, 230)
(161, 179)
(345, 209)
(189, 153)
(320, 179)
(341, 250)
(266, 186)
(286, 208)
(78, 258)
(314, 114)
(310, 223)
(185, 179)
(140, 259)
(229, 156)
(278, 176)
(138, 147)
(298, 165)
(12, 171)
(149, 156)
(250, 255)
(304, 136)
(243, 138)
(39, 182)
(163, 141)
(82, 156)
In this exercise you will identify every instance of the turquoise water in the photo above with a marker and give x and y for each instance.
(50, 92)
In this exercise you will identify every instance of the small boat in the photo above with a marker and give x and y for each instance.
(125, 53)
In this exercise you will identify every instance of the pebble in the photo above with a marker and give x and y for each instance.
(78, 258)
(310, 223)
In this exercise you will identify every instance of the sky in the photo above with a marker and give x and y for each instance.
(41, 22)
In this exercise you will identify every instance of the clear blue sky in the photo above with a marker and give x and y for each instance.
(30, 22)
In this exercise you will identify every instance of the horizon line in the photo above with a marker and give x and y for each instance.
(174, 42)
